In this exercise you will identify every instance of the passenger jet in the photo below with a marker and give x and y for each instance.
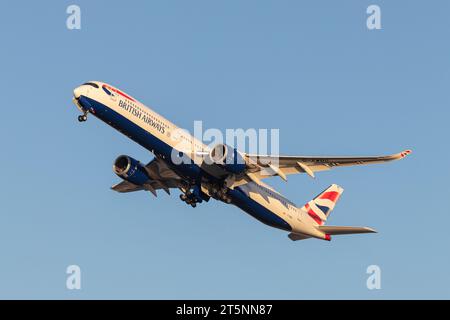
(220, 172)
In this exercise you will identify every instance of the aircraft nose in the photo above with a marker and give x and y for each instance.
(77, 92)
(80, 91)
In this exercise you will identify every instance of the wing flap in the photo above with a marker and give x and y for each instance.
(126, 186)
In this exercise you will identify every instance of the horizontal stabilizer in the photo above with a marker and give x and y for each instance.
(337, 230)
(297, 236)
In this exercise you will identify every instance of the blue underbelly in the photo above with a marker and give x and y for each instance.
(256, 210)
(140, 136)
(185, 170)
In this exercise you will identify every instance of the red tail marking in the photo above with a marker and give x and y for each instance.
(330, 195)
(313, 215)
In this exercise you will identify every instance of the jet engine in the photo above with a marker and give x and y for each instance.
(228, 158)
(131, 170)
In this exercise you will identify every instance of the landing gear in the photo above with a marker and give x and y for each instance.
(225, 198)
(82, 118)
(192, 194)
(189, 198)
(219, 192)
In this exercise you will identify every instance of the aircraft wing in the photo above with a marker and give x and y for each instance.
(126, 186)
(266, 166)
(161, 177)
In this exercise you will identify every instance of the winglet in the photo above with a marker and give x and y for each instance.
(397, 156)
(405, 153)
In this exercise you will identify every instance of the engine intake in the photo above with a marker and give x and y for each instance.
(228, 158)
(131, 170)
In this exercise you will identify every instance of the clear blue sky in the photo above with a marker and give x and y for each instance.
(310, 68)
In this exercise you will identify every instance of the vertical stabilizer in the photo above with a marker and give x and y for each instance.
(320, 207)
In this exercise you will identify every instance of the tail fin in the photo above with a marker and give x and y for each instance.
(320, 207)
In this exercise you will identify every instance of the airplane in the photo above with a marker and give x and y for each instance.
(219, 172)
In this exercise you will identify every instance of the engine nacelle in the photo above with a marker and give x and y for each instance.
(131, 170)
(228, 158)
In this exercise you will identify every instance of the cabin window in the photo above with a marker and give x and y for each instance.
(91, 84)
(106, 90)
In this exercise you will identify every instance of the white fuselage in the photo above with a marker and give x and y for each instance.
(165, 139)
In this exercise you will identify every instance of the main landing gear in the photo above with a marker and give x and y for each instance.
(219, 193)
(194, 196)
(190, 199)
(82, 118)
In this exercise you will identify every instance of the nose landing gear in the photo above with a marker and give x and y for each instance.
(82, 118)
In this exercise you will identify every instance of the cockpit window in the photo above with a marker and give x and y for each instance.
(106, 90)
(91, 84)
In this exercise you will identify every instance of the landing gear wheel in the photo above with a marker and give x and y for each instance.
(82, 118)
(193, 205)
